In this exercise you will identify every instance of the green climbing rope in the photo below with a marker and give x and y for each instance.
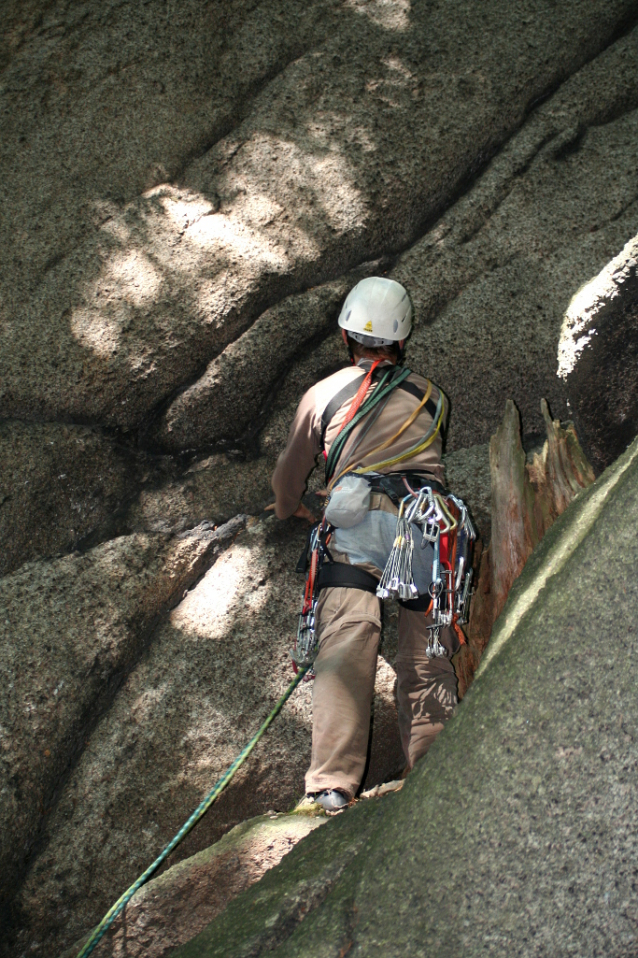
(201, 810)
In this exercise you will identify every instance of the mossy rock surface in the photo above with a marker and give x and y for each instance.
(171, 908)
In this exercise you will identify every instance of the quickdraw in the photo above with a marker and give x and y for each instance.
(304, 651)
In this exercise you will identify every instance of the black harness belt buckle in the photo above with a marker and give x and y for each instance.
(421, 604)
(344, 576)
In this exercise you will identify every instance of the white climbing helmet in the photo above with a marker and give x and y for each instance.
(377, 312)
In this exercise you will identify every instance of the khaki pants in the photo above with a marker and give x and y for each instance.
(348, 628)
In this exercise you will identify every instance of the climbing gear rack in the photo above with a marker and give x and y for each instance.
(304, 650)
(444, 522)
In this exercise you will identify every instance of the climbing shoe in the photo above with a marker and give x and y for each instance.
(331, 800)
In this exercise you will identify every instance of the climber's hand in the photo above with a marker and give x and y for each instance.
(304, 513)
(301, 513)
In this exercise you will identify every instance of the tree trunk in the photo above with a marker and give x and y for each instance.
(526, 499)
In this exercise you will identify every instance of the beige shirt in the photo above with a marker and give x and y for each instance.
(297, 460)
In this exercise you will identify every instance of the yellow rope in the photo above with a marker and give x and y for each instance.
(414, 451)
(408, 422)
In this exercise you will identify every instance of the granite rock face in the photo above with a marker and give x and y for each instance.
(58, 486)
(198, 688)
(599, 357)
(517, 833)
(170, 909)
(229, 399)
(493, 278)
(187, 192)
(151, 265)
(71, 630)
(467, 473)
(194, 167)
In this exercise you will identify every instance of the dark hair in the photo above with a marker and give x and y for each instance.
(392, 352)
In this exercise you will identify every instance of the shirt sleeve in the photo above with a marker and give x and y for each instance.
(297, 461)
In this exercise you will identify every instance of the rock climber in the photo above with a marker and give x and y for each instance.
(375, 321)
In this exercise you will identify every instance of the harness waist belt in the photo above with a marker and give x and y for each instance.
(344, 576)
(392, 484)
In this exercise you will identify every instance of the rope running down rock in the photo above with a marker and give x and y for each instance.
(199, 812)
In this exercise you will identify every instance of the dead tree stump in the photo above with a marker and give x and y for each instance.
(527, 497)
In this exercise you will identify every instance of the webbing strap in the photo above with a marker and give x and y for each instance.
(423, 444)
(344, 576)
(393, 487)
(414, 390)
(349, 390)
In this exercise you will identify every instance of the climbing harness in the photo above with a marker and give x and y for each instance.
(443, 522)
(99, 932)
(442, 519)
